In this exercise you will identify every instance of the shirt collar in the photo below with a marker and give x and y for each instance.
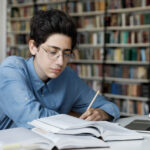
(36, 81)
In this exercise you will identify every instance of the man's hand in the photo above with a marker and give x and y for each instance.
(95, 115)
(74, 114)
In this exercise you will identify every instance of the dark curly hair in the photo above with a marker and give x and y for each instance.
(45, 23)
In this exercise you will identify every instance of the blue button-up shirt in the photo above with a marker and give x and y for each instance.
(24, 97)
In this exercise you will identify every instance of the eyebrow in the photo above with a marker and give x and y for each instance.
(58, 48)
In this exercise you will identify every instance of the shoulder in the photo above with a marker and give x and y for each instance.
(14, 61)
(69, 72)
(69, 75)
(13, 67)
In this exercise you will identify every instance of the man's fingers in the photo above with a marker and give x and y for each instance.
(86, 114)
(90, 118)
(95, 115)
(83, 116)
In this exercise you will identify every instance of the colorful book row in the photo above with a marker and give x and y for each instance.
(119, 71)
(114, 19)
(136, 90)
(100, 5)
(23, 52)
(114, 54)
(114, 37)
(14, 40)
(131, 106)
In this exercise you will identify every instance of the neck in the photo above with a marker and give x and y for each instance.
(39, 72)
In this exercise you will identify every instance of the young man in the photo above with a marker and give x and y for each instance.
(42, 85)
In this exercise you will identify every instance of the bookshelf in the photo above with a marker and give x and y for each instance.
(19, 13)
(120, 64)
(113, 53)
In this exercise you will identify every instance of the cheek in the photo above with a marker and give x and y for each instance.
(43, 62)
(47, 64)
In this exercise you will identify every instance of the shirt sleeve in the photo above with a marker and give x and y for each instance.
(84, 95)
(18, 101)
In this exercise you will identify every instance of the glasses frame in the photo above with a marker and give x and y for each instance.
(66, 56)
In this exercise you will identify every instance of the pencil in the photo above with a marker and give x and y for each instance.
(93, 100)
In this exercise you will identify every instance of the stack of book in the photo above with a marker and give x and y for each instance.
(70, 132)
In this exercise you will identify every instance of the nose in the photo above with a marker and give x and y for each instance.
(60, 59)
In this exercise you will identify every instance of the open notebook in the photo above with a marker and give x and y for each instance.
(68, 128)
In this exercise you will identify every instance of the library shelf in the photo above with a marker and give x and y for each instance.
(109, 36)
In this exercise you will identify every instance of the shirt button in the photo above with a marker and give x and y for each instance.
(26, 98)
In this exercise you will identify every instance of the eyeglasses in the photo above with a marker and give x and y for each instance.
(54, 52)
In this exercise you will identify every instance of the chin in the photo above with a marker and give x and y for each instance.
(53, 76)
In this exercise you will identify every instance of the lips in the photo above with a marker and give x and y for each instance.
(56, 70)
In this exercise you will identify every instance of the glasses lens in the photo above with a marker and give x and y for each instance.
(55, 52)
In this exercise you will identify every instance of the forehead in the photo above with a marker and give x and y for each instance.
(51, 47)
(59, 40)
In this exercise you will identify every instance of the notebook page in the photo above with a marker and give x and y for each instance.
(66, 122)
(112, 132)
(48, 128)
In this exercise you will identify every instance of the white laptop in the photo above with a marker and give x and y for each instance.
(139, 125)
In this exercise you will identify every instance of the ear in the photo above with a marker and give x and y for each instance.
(33, 49)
